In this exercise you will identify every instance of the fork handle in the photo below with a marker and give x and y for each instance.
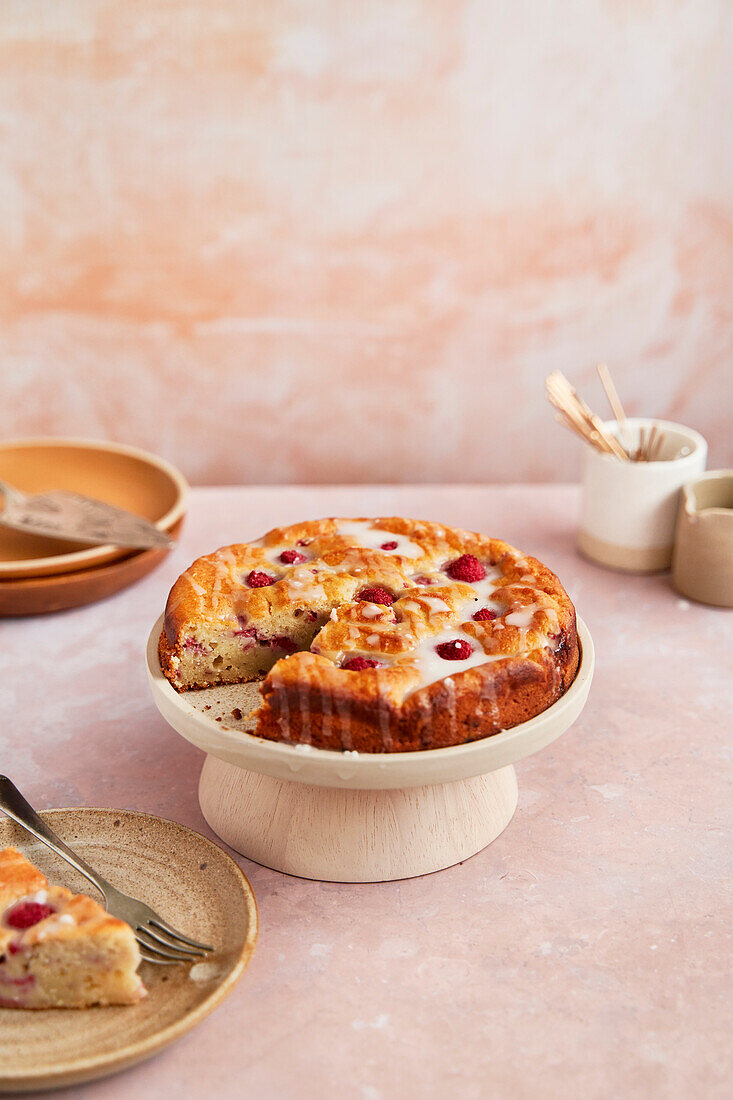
(15, 806)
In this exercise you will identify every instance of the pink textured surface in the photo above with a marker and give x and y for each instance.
(253, 236)
(582, 954)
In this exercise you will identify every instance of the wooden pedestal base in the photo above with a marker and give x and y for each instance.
(341, 835)
(354, 817)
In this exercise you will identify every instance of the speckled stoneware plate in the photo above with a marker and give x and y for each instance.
(196, 886)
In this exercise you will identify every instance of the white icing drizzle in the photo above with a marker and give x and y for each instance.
(486, 589)
(198, 588)
(226, 568)
(272, 554)
(432, 667)
(425, 658)
(300, 584)
(373, 537)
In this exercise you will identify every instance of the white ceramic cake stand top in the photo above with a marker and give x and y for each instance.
(359, 771)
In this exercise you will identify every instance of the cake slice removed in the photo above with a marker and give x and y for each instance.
(58, 949)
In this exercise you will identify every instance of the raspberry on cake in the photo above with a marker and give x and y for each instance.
(394, 635)
(258, 579)
(291, 557)
(58, 949)
(466, 568)
(458, 650)
(359, 664)
(375, 595)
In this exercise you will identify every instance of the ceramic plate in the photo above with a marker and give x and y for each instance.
(206, 719)
(194, 885)
(125, 476)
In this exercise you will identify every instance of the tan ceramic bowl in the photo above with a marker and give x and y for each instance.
(125, 476)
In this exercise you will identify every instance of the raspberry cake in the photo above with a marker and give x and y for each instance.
(374, 635)
(58, 949)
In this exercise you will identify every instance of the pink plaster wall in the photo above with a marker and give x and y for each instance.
(347, 240)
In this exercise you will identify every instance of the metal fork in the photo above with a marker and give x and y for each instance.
(154, 935)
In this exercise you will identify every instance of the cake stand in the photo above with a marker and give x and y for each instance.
(354, 817)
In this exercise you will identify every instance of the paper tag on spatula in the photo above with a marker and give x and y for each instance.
(65, 515)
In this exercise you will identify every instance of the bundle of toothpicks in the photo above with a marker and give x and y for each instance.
(573, 413)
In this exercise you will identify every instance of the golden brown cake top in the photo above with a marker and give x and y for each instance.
(31, 909)
(402, 603)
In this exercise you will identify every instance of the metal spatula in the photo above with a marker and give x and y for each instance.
(64, 515)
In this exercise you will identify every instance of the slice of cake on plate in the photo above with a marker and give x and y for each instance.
(58, 949)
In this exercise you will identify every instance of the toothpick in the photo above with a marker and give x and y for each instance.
(613, 398)
(580, 418)
(657, 446)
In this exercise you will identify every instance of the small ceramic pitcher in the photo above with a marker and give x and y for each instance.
(629, 509)
(703, 551)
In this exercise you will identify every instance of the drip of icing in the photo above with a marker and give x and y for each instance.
(411, 605)
(371, 611)
(523, 617)
(435, 604)
(373, 537)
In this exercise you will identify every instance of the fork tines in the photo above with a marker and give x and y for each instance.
(155, 948)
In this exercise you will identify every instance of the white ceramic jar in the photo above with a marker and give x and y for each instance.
(629, 509)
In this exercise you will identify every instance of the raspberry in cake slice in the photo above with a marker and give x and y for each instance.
(58, 949)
